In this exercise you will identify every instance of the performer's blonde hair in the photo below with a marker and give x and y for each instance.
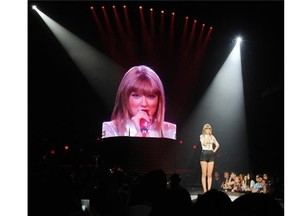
(143, 80)
(206, 126)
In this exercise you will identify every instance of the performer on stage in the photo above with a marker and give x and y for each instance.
(207, 159)
(139, 108)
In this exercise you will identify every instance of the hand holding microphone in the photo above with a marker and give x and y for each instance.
(142, 122)
(143, 126)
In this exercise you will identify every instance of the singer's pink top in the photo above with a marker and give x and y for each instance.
(168, 130)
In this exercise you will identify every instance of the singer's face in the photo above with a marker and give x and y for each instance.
(140, 102)
(208, 131)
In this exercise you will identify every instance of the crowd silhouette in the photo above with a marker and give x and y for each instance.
(57, 190)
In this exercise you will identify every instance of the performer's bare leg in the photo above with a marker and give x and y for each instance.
(204, 169)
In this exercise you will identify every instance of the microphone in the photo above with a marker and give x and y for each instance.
(143, 126)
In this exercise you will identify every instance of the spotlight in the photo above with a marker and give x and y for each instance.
(34, 7)
(239, 39)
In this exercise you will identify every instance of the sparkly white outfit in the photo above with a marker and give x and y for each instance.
(168, 130)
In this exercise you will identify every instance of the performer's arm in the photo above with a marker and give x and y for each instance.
(217, 145)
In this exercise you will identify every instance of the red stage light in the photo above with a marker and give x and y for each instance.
(173, 13)
(187, 17)
(162, 11)
(180, 141)
(124, 6)
(52, 152)
(151, 9)
(66, 147)
(91, 8)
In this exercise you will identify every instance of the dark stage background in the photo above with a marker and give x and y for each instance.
(64, 109)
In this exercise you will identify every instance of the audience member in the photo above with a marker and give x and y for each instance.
(216, 181)
(213, 202)
(256, 204)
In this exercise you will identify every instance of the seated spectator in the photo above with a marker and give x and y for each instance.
(250, 182)
(258, 185)
(236, 187)
(216, 181)
(225, 183)
(269, 186)
(230, 183)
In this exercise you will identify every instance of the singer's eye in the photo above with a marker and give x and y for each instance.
(151, 96)
(135, 95)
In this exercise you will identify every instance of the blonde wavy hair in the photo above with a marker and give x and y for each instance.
(206, 126)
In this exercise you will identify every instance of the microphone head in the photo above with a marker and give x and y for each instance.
(143, 125)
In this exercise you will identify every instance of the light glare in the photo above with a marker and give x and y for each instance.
(239, 39)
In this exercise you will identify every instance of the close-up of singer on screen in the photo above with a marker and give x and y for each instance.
(139, 109)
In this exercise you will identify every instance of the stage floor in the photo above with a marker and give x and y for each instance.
(195, 191)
